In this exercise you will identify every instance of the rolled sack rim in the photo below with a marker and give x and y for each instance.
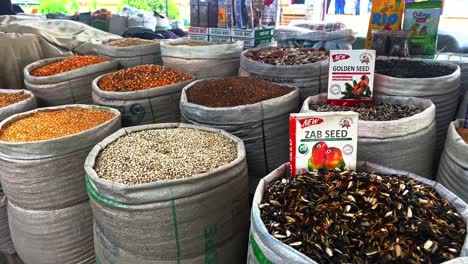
(184, 103)
(271, 70)
(273, 243)
(217, 50)
(455, 145)
(380, 82)
(95, 183)
(65, 76)
(139, 94)
(25, 102)
(130, 51)
(367, 128)
(59, 140)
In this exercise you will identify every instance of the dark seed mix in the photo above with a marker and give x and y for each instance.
(411, 69)
(234, 91)
(357, 217)
(287, 56)
(368, 112)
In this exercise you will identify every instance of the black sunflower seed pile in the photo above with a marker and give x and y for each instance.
(368, 112)
(357, 217)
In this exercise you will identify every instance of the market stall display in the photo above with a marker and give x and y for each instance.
(453, 168)
(304, 68)
(396, 132)
(42, 153)
(15, 101)
(66, 80)
(130, 52)
(144, 94)
(202, 59)
(376, 204)
(191, 177)
(254, 110)
(420, 79)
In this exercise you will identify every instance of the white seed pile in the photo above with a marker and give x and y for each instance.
(164, 154)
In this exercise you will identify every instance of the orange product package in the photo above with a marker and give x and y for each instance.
(385, 15)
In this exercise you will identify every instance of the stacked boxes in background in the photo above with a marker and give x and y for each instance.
(251, 37)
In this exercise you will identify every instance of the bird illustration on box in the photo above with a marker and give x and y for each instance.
(318, 157)
(324, 157)
(334, 159)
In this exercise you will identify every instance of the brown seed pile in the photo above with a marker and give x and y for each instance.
(7, 99)
(234, 91)
(141, 78)
(53, 124)
(357, 217)
(287, 56)
(463, 133)
(69, 64)
(129, 42)
(368, 112)
(164, 154)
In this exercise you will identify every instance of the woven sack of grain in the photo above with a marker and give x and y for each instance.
(442, 91)
(453, 167)
(132, 56)
(199, 219)
(118, 24)
(262, 126)
(201, 58)
(311, 79)
(463, 108)
(6, 245)
(48, 174)
(155, 105)
(61, 236)
(264, 248)
(406, 144)
(143, 19)
(19, 107)
(65, 88)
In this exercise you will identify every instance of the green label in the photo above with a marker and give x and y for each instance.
(261, 258)
(303, 149)
(211, 252)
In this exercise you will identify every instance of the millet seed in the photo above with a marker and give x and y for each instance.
(164, 154)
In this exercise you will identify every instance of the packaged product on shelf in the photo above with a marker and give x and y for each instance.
(222, 14)
(240, 14)
(257, 6)
(213, 13)
(269, 13)
(230, 17)
(249, 13)
(422, 19)
(323, 141)
(351, 76)
(386, 14)
(203, 13)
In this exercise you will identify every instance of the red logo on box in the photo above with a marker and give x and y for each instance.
(338, 57)
(306, 122)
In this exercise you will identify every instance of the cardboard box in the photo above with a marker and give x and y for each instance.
(253, 33)
(198, 31)
(223, 32)
(252, 43)
(198, 37)
(219, 39)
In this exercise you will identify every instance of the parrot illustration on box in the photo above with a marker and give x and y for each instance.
(318, 157)
(334, 159)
